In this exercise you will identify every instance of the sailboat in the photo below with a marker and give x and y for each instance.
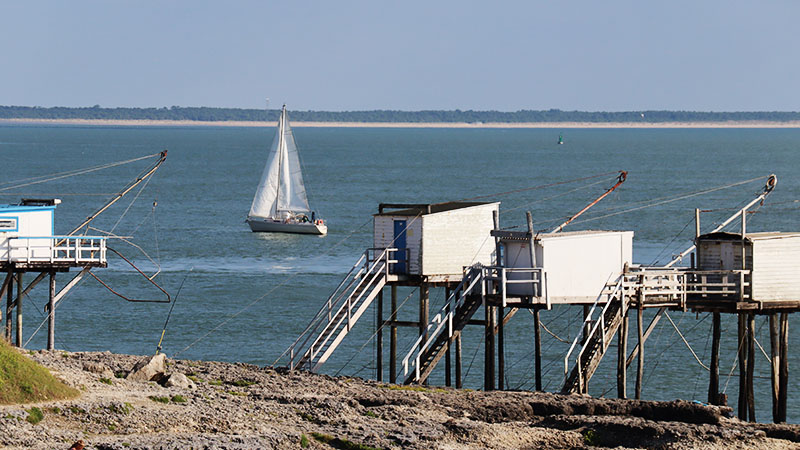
(280, 204)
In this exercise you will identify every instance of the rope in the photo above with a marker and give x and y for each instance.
(670, 200)
(684, 341)
(60, 175)
(169, 314)
(249, 305)
(543, 186)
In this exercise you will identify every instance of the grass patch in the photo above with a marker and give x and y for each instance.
(215, 382)
(159, 399)
(237, 393)
(342, 444)
(241, 383)
(124, 408)
(35, 415)
(195, 378)
(304, 441)
(24, 381)
(369, 413)
(106, 380)
(112, 427)
(590, 437)
(178, 398)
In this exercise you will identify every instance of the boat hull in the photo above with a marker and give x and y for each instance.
(275, 226)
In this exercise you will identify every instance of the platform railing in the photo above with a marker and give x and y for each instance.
(56, 249)
(672, 286)
(596, 326)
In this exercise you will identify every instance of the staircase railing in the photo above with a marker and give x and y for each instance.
(473, 279)
(597, 326)
(373, 264)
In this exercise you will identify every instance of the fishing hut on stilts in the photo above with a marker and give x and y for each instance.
(462, 248)
(28, 245)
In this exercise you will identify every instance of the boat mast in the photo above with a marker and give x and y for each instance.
(281, 144)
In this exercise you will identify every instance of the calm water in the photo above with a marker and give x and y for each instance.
(247, 296)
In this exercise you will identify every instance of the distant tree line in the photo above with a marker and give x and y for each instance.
(451, 116)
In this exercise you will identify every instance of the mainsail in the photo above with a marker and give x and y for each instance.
(281, 191)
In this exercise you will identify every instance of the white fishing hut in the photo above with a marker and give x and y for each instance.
(436, 241)
(28, 244)
(573, 267)
(771, 262)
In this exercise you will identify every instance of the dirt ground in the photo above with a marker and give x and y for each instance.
(237, 406)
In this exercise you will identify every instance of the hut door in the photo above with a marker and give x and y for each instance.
(400, 243)
(726, 257)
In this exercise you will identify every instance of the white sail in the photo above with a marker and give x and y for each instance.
(281, 190)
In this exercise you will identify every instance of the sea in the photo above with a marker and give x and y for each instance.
(240, 296)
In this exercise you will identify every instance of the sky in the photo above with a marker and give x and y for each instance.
(342, 55)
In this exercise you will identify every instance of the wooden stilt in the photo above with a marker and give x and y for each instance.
(775, 356)
(537, 338)
(751, 362)
(501, 361)
(423, 311)
(51, 318)
(9, 304)
(622, 351)
(19, 310)
(783, 379)
(393, 337)
(713, 382)
(640, 359)
(458, 361)
(742, 367)
(448, 379)
(586, 326)
(488, 373)
(379, 338)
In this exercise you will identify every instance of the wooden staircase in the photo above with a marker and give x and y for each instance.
(341, 311)
(462, 304)
(602, 330)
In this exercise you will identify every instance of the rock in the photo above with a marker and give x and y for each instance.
(179, 380)
(98, 368)
(149, 368)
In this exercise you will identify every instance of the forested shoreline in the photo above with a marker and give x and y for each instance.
(209, 114)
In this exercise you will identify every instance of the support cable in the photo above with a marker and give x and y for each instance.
(685, 342)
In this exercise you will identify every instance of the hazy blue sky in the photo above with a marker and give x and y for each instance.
(410, 55)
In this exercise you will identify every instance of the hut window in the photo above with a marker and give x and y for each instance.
(8, 224)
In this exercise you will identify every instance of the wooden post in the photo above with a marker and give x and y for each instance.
(537, 338)
(775, 355)
(713, 382)
(586, 327)
(501, 363)
(448, 379)
(488, 372)
(742, 403)
(379, 338)
(640, 359)
(458, 360)
(19, 309)
(51, 318)
(622, 352)
(393, 338)
(9, 304)
(423, 311)
(783, 380)
(751, 363)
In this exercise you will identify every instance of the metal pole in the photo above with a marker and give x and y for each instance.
(51, 318)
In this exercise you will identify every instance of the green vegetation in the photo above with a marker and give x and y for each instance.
(241, 383)
(369, 413)
(215, 382)
(304, 441)
(159, 399)
(342, 444)
(106, 380)
(35, 415)
(125, 408)
(24, 381)
(438, 116)
(178, 399)
(590, 437)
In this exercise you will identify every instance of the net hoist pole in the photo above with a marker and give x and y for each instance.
(620, 179)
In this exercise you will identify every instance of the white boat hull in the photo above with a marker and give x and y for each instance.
(276, 226)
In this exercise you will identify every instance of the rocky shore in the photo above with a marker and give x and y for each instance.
(237, 406)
